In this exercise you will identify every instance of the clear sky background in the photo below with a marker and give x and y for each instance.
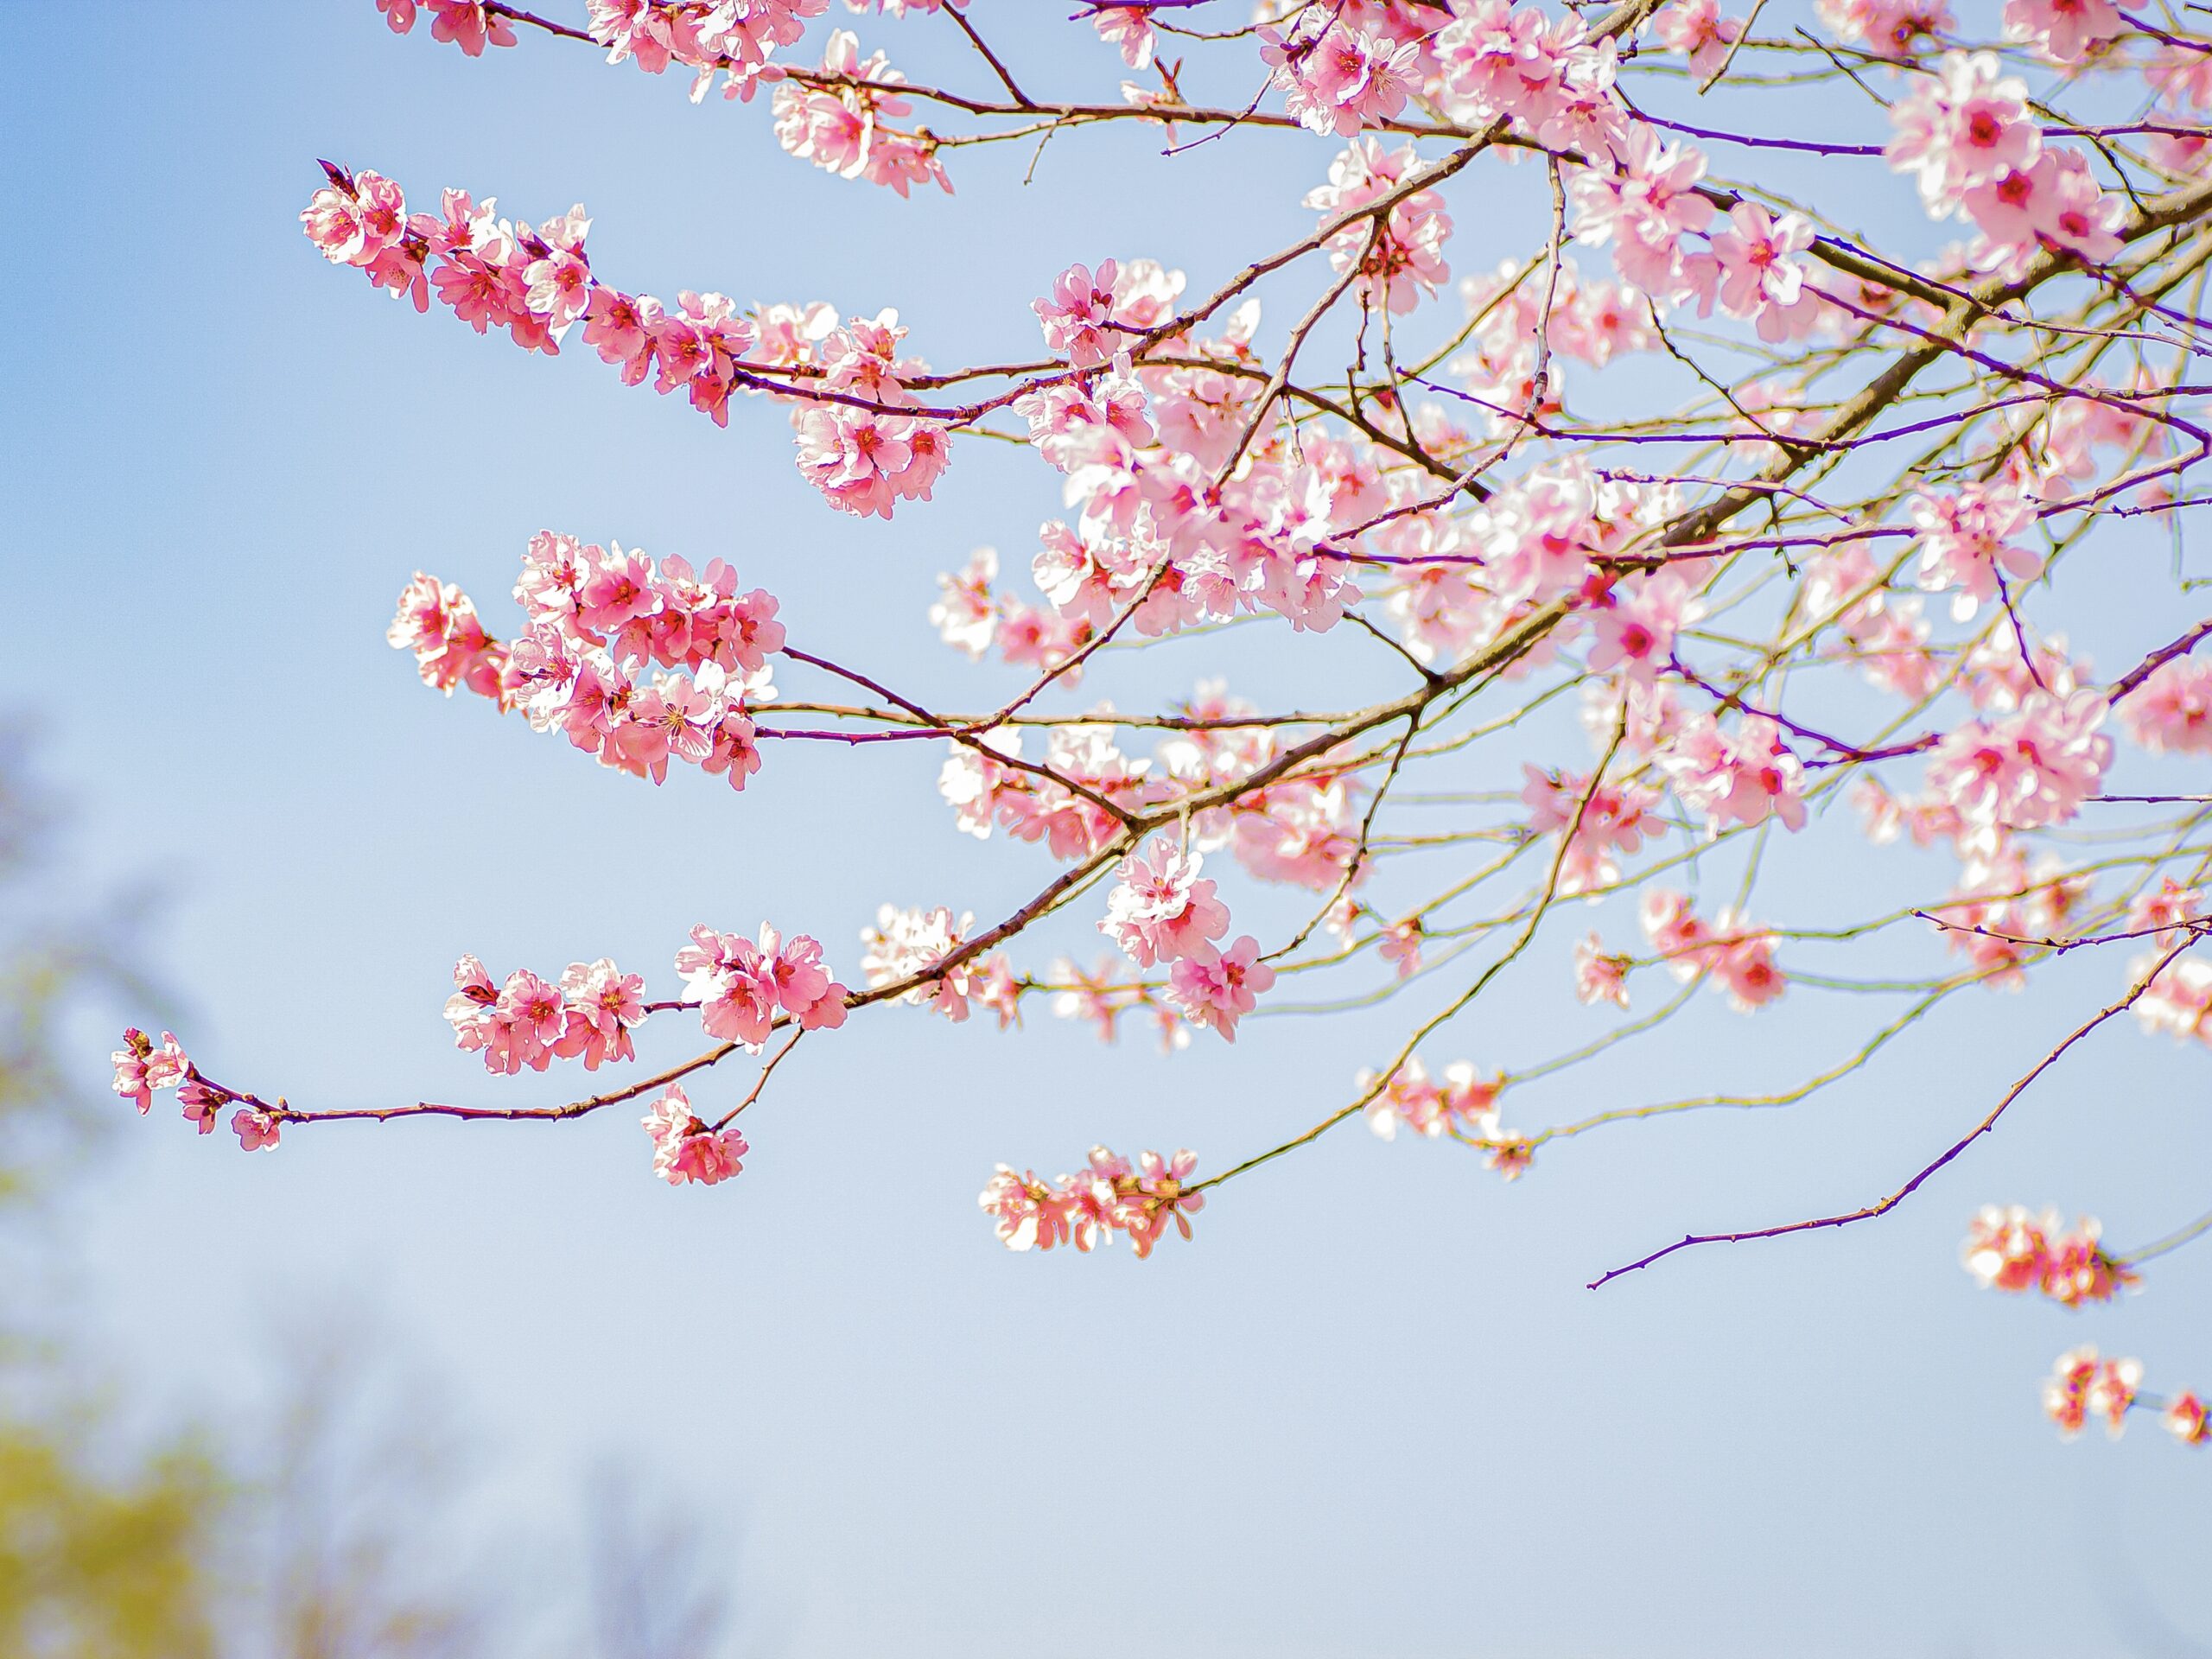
(1372, 1410)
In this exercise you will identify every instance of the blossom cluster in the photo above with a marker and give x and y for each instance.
(536, 283)
(1737, 956)
(834, 118)
(928, 947)
(1107, 1197)
(2011, 1248)
(685, 1148)
(2177, 989)
(735, 37)
(1832, 570)
(1400, 255)
(1968, 134)
(143, 1068)
(637, 662)
(526, 1022)
(742, 987)
(1461, 1103)
(2083, 1385)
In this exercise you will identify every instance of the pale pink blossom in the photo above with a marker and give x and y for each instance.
(1696, 29)
(2171, 709)
(1026, 1212)
(1336, 78)
(1742, 963)
(1162, 910)
(1964, 125)
(1107, 1197)
(1636, 632)
(1743, 776)
(1890, 28)
(1761, 275)
(915, 944)
(1077, 315)
(469, 25)
(1598, 976)
(2064, 30)
(2022, 771)
(255, 1129)
(142, 1067)
(1965, 545)
(1128, 28)
(2066, 1394)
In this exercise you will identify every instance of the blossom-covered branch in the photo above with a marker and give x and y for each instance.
(1677, 532)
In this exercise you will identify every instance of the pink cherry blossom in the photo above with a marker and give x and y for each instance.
(2032, 768)
(732, 984)
(256, 1130)
(1335, 78)
(1027, 1213)
(1218, 992)
(2188, 1419)
(1715, 571)
(1598, 976)
(2010, 1248)
(2064, 30)
(1130, 29)
(914, 943)
(685, 1148)
(1107, 1197)
(1964, 543)
(1964, 125)
(2171, 710)
(1742, 775)
(1636, 632)
(1162, 910)
(1696, 29)
(1076, 315)
(141, 1068)
(1888, 28)
(1742, 963)
(469, 24)
(1761, 276)
(1402, 260)
(2066, 1394)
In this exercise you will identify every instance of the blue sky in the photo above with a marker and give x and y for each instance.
(1372, 1410)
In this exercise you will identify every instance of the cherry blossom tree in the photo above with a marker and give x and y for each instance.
(1750, 532)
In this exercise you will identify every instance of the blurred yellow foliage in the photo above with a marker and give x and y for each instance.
(95, 1566)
